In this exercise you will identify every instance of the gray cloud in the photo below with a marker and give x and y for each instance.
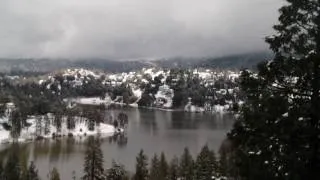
(127, 29)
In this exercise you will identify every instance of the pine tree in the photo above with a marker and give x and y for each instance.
(91, 124)
(163, 167)
(173, 173)
(38, 125)
(23, 115)
(155, 168)
(93, 165)
(206, 165)
(277, 134)
(91, 120)
(2, 109)
(74, 177)
(32, 173)
(54, 174)
(58, 121)
(142, 172)
(70, 121)
(46, 124)
(223, 165)
(99, 116)
(186, 171)
(116, 172)
(123, 119)
(16, 124)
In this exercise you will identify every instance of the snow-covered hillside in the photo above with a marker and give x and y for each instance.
(152, 87)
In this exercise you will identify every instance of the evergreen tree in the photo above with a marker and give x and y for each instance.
(173, 173)
(91, 124)
(155, 168)
(15, 124)
(32, 173)
(116, 172)
(277, 133)
(2, 109)
(163, 167)
(91, 120)
(54, 174)
(206, 165)
(223, 165)
(93, 165)
(99, 116)
(141, 167)
(38, 125)
(74, 177)
(186, 171)
(46, 124)
(58, 121)
(123, 119)
(70, 121)
(23, 114)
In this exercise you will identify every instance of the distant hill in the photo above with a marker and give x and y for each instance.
(49, 65)
(248, 60)
(240, 61)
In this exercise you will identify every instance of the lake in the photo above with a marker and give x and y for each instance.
(153, 131)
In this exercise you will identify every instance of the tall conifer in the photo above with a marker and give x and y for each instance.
(278, 135)
(93, 165)
(186, 170)
(142, 172)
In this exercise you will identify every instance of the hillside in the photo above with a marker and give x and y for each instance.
(239, 61)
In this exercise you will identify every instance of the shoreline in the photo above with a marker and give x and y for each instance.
(95, 101)
(175, 110)
(77, 137)
(160, 109)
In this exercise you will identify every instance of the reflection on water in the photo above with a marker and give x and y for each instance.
(55, 150)
(120, 139)
(153, 131)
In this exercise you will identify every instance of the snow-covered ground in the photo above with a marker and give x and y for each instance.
(164, 96)
(92, 101)
(98, 101)
(193, 108)
(220, 109)
(214, 109)
(81, 129)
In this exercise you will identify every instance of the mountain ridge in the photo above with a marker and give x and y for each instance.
(239, 61)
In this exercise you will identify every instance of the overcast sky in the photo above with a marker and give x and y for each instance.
(128, 29)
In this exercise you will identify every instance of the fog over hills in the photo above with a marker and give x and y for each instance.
(248, 60)
(124, 35)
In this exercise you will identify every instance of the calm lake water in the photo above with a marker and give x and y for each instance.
(153, 131)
